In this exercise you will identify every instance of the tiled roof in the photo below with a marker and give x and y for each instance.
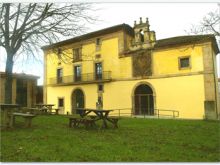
(112, 29)
(189, 39)
(21, 75)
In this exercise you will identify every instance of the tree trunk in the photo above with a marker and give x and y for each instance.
(8, 78)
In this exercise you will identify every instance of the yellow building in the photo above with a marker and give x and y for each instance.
(121, 67)
(24, 89)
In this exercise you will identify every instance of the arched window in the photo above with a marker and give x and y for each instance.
(143, 100)
(77, 101)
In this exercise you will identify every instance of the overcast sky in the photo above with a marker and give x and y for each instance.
(166, 19)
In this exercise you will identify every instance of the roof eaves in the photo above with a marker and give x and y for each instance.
(108, 30)
(180, 40)
(23, 75)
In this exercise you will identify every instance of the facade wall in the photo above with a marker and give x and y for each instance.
(184, 94)
(217, 93)
(109, 57)
(184, 90)
(211, 101)
(165, 61)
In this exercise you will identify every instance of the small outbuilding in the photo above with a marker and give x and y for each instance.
(24, 89)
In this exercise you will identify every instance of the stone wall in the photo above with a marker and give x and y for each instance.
(210, 102)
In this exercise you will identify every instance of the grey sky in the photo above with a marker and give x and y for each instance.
(166, 19)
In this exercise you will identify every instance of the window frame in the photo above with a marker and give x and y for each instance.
(98, 41)
(77, 57)
(59, 102)
(102, 88)
(179, 62)
(59, 54)
(79, 77)
(60, 77)
(98, 75)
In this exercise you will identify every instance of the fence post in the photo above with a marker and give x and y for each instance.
(158, 113)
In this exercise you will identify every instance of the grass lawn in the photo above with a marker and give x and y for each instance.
(136, 140)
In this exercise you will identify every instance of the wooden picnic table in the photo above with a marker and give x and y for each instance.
(48, 106)
(28, 119)
(101, 115)
(45, 108)
(32, 110)
(7, 109)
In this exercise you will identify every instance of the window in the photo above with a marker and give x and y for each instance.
(98, 71)
(59, 52)
(100, 87)
(98, 56)
(59, 75)
(60, 102)
(98, 44)
(77, 55)
(184, 62)
(77, 73)
(98, 41)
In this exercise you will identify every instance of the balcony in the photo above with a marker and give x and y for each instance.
(82, 79)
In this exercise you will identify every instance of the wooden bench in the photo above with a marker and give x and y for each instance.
(54, 111)
(114, 121)
(75, 121)
(28, 110)
(28, 118)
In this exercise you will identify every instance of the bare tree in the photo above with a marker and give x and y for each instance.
(25, 27)
(209, 25)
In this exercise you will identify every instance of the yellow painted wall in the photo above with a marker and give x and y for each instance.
(184, 94)
(165, 61)
(109, 57)
(173, 92)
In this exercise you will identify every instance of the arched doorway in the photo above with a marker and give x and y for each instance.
(77, 101)
(143, 100)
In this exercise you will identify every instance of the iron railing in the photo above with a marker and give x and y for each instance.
(166, 113)
(145, 114)
(87, 77)
(157, 113)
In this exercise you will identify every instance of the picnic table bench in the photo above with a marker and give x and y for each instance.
(6, 110)
(47, 109)
(28, 118)
(54, 111)
(75, 121)
(83, 118)
(113, 120)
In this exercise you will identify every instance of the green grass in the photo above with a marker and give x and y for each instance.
(136, 140)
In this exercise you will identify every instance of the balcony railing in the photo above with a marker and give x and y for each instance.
(83, 78)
